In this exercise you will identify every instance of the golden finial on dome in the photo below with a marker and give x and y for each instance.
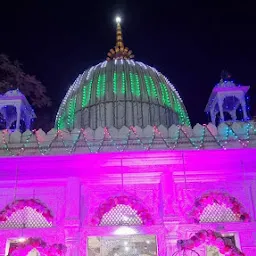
(119, 51)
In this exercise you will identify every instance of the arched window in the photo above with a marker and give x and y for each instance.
(121, 211)
(121, 215)
(29, 213)
(218, 213)
(218, 207)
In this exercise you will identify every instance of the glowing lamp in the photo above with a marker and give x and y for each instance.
(118, 19)
(21, 239)
(125, 231)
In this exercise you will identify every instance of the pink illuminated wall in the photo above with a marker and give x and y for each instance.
(166, 185)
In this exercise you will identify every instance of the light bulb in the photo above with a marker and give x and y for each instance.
(21, 239)
(118, 19)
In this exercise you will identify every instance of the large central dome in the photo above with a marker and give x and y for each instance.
(121, 92)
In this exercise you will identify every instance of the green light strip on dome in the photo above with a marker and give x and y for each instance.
(153, 87)
(61, 122)
(123, 83)
(165, 95)
(87, 89)
(115, 83)
(101, 86)
(150, 85)
(71, 111)
(135, 85)
(146, 78)
(132, 84)
(180, 111)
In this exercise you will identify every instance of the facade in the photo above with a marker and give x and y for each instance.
(124, 173)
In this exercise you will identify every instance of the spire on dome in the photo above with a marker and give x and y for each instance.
(119, 51)
(119, 35)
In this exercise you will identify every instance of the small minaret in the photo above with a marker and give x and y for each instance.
(226, 96)
(14, 107)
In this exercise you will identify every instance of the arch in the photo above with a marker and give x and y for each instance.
(113, 202)
(210, 238)
(25, 247)
(26, 204)
(216, 200)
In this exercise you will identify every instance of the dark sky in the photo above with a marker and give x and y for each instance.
(188, 41)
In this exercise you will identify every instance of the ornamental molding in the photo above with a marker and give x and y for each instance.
(221, 199)
(21, 204)
(37, 142)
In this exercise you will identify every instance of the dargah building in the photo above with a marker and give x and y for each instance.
(123, 172)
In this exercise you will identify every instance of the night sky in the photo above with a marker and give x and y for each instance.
(188, 41)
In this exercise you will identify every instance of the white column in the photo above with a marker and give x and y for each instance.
(243, 104)
(212, 113)
(220, 104)
(18, 111)
(233, 115)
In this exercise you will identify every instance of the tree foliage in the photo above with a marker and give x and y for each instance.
(13, 77)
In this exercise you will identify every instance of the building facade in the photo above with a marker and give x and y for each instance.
(124, 173)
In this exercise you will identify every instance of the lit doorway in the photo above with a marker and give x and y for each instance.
(135, 245)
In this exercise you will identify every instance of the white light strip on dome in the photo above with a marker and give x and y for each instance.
(156, 71)
(96, 66)
(115, 61)
(169, 83)
(133, 63)
(77, 82)
(122, 62)
(173, 88)
(104, 64)
(89, 73)
(128, 62)
(142, 64)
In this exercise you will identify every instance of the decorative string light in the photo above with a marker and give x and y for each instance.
(86, 94)
(205, 140)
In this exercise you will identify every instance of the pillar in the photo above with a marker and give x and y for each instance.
(213, 116)
(168, 193)
(18, 111)
(233, 115)
(171, 244)
(220, 104)
(243, 104)
(72, 216)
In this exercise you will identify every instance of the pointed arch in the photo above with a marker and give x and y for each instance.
(29, 212)
(210, 238)
(218, 207)
(114, 206)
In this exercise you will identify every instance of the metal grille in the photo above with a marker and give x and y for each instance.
(26, 218)
(218, 213)
(121, 215)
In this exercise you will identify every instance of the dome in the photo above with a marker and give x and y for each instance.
(11, 93)
(121, 92)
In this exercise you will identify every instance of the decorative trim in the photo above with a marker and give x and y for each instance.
(21, 204)
(201, 137)
(218, 198)
(142, 212)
